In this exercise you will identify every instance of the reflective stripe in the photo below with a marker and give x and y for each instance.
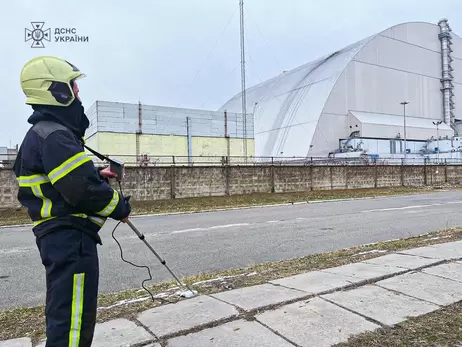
(81, 215)
(42, 220)
(111, 206)
(29, 181)
(77, 309)
(70, 164)
(34, 182)
(98, 221)
(45, 212)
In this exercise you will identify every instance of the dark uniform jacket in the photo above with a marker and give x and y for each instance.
(58, 183)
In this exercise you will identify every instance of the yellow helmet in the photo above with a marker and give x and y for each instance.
(48, 81)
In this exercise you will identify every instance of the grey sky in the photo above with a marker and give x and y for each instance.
(155, 51)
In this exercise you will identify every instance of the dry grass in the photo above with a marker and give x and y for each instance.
(12, 216)
(439, 328)
(29, 322)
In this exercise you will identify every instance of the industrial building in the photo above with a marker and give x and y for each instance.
(8, 156)
(151, 135)
(393, 90)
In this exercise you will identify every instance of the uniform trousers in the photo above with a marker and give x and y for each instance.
(70, 258)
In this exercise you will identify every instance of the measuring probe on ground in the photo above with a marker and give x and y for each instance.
(117, 167)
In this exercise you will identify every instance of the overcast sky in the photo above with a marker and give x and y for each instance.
(164, 52)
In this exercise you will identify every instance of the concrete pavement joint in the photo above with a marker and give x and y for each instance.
(277, 333)
(435, 263)
(420, 271)
(446, 260)
(137, 322)
(142, 344)
(198, 328)
(372, 320)
(363, 282)
(253, 312)
(408, 295)
(442, 277)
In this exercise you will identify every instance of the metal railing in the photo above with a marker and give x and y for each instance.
(162, 161)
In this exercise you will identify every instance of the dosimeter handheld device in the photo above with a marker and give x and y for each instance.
(118, 167)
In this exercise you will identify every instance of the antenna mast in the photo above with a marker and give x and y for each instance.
(243, 94)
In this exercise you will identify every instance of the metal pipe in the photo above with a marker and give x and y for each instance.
(438, 139)
(446, 68)
(404, 103)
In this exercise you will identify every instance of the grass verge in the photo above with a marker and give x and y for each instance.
(29, 322)
(439, 328)
(12, 216)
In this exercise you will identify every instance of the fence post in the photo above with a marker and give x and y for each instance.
(402, 172)
(375, 175)
(331, 177)
(445, 170)
(273, 188)
(311, 175)
(173, 160)
(425, 172)
(172, 182)
(346, 175)
(227, 179)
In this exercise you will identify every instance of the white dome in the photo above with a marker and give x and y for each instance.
(307, 110)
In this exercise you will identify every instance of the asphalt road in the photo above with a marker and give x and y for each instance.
(205, 242)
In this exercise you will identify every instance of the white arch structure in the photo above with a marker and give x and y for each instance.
(306, 111)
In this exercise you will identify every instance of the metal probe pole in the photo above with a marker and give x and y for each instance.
(142, 238)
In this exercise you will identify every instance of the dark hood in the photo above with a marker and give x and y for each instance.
(73, 116)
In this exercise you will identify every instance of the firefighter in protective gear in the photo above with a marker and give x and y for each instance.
(67, 198)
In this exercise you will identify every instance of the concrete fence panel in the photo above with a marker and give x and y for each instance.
(154, 183)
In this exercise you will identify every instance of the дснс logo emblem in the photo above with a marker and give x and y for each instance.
(37, 35)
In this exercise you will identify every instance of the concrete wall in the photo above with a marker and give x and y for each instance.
(162, 147)
(155, 183)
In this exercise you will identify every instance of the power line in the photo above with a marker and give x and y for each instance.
(223, 81)
(202, 67)
(211, 51)
(264, 39)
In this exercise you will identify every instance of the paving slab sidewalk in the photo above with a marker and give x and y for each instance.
(318, 308)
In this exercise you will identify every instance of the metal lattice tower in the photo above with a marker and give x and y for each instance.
(243, 95)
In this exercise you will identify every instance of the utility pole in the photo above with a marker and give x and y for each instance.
(404, 103)
(243, 94)
(438, 139)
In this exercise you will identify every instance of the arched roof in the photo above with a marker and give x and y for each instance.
(288, 106)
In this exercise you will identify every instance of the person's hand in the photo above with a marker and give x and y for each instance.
(125, 220)
(107, 173)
